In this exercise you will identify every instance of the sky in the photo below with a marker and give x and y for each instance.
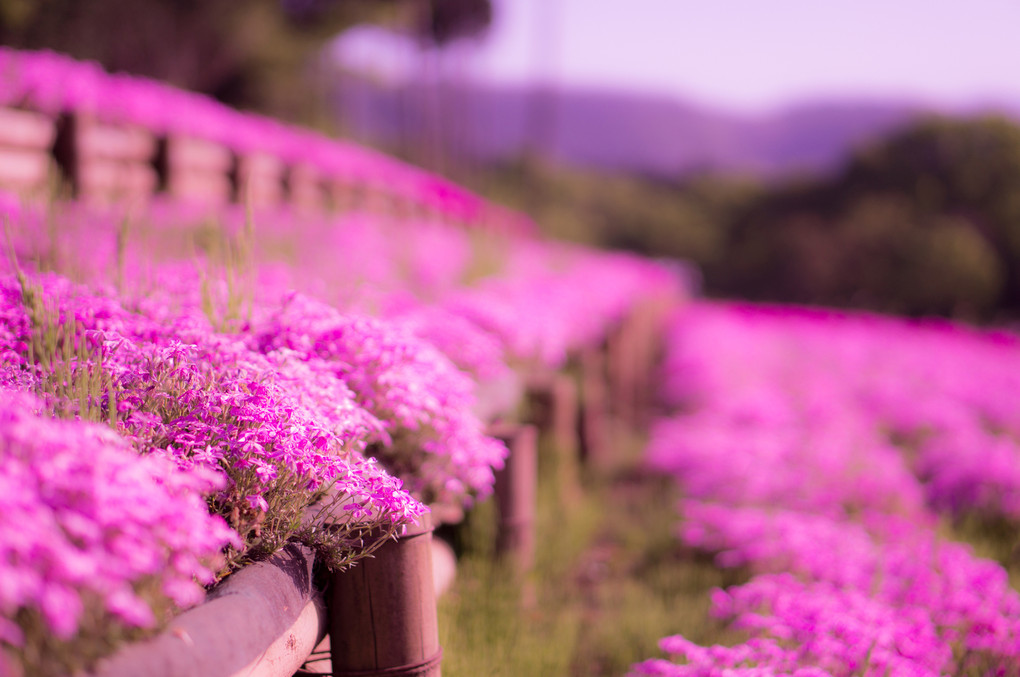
(740, 54)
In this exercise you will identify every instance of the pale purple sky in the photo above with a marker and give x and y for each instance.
(744, 54)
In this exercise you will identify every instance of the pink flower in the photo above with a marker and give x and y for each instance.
(257, 502)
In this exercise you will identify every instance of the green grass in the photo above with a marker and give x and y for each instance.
(609, 581)
(995, 538)
(610, 578)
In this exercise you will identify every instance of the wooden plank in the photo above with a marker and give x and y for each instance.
(26, 129)
(185, 153)
(260, 180)
(100, 140)
(305, 189)
(206, 187)
(262, 621)
(22, 168)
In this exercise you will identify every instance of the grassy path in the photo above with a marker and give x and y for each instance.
(609, 581)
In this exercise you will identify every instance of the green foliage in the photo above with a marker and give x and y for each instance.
(71, 373)
(962, 168)
(994, 537)
(878, 254)
(249, 53)
(228, 284)
(923, 222)
(648, 216)
(609, 581)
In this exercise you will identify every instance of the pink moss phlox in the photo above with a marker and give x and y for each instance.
(278, 429)
(86, 518)
(432, 439)
(843, 436)
(549, 302)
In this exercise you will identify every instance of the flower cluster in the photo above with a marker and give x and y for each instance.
(429, 435)
(551, 301)
(93, 533)
(269, 434)
(843, 436)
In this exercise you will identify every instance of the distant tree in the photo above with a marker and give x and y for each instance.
(443, 21)
(964, 168)
(249, 53)
(925, 221)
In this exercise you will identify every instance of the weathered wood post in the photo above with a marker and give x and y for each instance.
(305, 190)
(382, 611)
(553, 408)
(262, 621)
(596, 431)
(622, 368)
(345, 195)
(516, 494)
(106, 163)
(634, 350)
(195, 170)
(25, 142)
(259, 180)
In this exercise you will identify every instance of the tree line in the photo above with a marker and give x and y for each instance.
(262, 55)
(925, 221)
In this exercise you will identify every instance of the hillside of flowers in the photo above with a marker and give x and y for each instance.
(186, 388)
(851, 444)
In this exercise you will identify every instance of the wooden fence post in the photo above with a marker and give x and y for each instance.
(382, 611)
(305, 190)
(195, 170)
(623, 365)
(106, 163)
(345, 195)
(553, 408)
(552, 399)
(633, 353)
(596, 430)
(26, 139)
(516, 493)
(259, 180)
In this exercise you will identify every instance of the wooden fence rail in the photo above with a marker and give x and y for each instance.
(262, 621)
(268, 619)
(105, 163)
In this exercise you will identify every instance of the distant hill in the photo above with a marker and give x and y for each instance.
(647, 134)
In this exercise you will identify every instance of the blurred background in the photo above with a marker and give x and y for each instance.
(857, 154)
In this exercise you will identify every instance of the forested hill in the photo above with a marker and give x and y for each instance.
(614, 131)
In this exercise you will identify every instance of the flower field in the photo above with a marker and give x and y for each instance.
(189, 386)
(852, 444)
(192, 379)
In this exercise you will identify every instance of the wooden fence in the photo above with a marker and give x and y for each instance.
(105, 163)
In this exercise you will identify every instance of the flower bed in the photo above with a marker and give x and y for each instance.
(818, 451)
(253, 363)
